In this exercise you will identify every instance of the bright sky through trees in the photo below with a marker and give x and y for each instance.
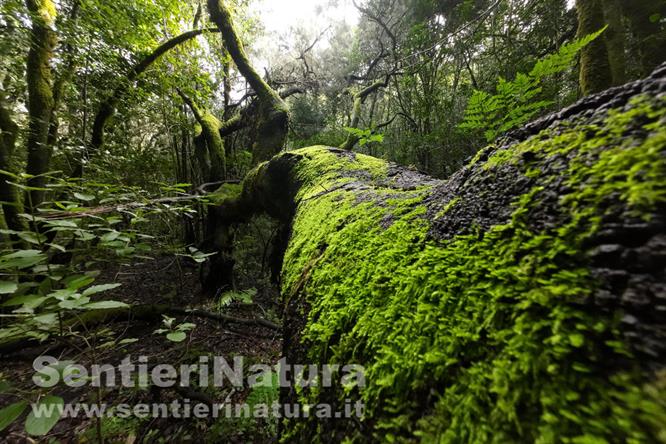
(280, 16)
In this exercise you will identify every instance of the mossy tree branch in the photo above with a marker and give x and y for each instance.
(107, 107)
(273, 122)
(210, 129)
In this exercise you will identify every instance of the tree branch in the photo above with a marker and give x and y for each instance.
(107, 107)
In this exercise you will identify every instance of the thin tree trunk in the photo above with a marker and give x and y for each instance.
(40, 95)
(616, 37)
(11, 202)
(595, 70)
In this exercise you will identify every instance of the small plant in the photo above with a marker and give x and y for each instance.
(174, 332)
(366, 136)
(196, 255)
(243, 296)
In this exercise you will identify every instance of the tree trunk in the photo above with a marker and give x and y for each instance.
(646, 18)
(40, 95)
(210, 130)
(11, 202)
(616, 36)
(482, 307)
(273, 124)
(359, 99)
(595, 69)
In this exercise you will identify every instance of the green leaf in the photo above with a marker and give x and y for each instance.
(99, 288)
(44, 415)
(576, 339)
(105, 305)
(22, 259)
(74, 303)
(8, 287)
(63, 294)
(176, 336)
(111, 236)
(61, 223)
(28, 300)
(186, 326)
(5, 387)
(77, 282)
(84, 197)
(31, 237)
(10, 413)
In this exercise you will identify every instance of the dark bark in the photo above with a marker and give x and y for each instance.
(11, 202)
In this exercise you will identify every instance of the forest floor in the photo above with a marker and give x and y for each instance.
(165, 280)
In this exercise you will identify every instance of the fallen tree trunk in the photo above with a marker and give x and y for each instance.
(520, 301)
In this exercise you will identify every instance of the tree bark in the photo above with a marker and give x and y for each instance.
(40, 95)
(505, 293)
(11, 202)
(616, 36)
(595, 69)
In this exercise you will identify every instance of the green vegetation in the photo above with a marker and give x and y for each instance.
(335, 182)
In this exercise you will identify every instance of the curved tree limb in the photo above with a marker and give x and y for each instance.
(107, 107)
(273, 124)
(359, 99)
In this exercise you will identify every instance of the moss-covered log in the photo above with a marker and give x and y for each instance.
(523, 300)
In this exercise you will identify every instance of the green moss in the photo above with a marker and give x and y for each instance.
(226, 192)
(482, 338)
(447, 208)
